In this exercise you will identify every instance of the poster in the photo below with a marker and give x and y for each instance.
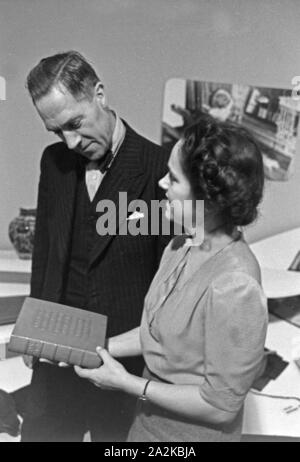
(270, 114)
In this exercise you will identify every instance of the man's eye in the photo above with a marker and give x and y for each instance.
(75, 126)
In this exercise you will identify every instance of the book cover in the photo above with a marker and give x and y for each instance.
(59, 333)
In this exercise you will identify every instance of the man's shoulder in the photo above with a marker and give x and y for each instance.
(130, 132)
(54, 149)
(58, 153)
(149, 150)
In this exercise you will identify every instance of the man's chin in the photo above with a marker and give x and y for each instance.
(90, 154)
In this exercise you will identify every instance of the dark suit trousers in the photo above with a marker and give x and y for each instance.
(62, 407)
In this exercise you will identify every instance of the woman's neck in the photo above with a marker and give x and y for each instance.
(214, 233)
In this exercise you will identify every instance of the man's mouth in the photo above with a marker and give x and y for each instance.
(86, 147)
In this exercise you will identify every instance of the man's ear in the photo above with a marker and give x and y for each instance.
(100, 94)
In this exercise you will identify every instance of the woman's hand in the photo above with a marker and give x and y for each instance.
(111, 375)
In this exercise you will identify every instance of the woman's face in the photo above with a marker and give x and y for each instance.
(178, 189)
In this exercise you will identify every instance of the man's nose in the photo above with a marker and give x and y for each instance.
(164, 182)
(71, 139)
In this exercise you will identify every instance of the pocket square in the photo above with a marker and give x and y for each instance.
(136, 216)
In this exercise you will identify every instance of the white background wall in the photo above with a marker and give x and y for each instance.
(136, 45)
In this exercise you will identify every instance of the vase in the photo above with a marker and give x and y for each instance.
(21, 232)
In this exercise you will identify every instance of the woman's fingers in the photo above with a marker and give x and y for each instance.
(103, 354)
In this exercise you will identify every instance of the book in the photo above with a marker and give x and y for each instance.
(59, 333)
(273, 365)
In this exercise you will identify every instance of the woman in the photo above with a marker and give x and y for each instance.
(204, 323)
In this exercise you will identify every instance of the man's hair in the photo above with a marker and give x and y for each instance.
(69, 69)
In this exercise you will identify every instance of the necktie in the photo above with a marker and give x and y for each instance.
(104, 162)
(95, 171)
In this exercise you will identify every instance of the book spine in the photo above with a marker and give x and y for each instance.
(55, 353)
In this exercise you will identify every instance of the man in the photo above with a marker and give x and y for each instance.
(99, 156)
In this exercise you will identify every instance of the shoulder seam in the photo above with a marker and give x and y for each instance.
(247, 276)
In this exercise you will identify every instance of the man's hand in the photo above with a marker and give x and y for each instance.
(29, 361)
(110, 376)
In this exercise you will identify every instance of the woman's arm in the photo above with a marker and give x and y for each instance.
(127, 344)
(184, 400)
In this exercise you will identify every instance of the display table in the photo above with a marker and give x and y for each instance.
(265, 416)
(5, 333)
(280, 283)
(275, 254)
(13, 269)
(14, 285)
(277, 251)
(14, 374)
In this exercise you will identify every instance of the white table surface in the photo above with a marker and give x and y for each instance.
(10, 262)
(275, 254)
(280, 283)
(266, 416)
(14, 374)
(5, 333)
(263, 415)
(278, 251)
(13, 289)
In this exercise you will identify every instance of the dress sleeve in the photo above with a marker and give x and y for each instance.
(235, 330)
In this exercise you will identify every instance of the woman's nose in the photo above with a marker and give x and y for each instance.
(164, 182)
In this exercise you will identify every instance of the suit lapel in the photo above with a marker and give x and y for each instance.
(65, 208)
(125, 175)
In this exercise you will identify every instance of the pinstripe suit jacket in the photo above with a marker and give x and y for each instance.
(122, 267)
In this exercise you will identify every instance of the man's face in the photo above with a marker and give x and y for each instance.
(85, 125)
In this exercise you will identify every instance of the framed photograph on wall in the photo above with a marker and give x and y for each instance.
(270, 114)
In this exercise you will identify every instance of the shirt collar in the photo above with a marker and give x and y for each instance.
(117, 140)
(118, 134)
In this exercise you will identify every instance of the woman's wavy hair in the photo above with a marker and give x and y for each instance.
(225, 168)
